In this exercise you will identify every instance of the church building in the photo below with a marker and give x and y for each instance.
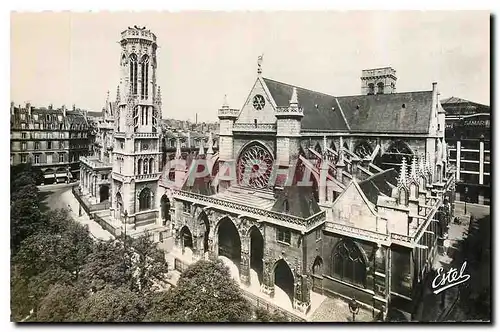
(308, 193)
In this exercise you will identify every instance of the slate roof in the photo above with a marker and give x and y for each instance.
(301, 201)
(197, 184)
(94, 114)
(385, 113)
(379, 184)
(361, 113)
(317, 106)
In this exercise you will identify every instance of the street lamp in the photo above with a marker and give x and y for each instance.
(125, 215)
(354, 308)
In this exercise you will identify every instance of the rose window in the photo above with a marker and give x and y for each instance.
(258, 102)
(255, 167)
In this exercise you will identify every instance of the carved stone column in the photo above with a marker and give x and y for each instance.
(302, 294)
(267, 286)
(212, 249)
(245, 268)
(380, 279)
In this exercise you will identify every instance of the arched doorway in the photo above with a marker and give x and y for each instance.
(205, 226)
(165, 209)
(256, 252)
(229, 241)
(283, 278)
(103, 193)
(119, 205)
(145, 198)
(186, 238)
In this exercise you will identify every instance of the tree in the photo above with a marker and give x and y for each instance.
(261, 315)
(112, 305)
(149, 264)
(107, 265)
(205, 293)
(27, 291)
(25, 217)
(67, 250)
(60, 304)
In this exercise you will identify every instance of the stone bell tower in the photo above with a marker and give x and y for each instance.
(378, 81)
(137, 152)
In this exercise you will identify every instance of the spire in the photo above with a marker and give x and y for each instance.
(118, 93)
(402, 173)
(107, 98)
(444, 152)
(340, 162)
(201, 152)
(428, 163)
(178, 154)
(414, 174)
(325, 145)
(224, 103)
(210, 150)
(421, 164)
(294, 100)
(158, 96)
(259, 64)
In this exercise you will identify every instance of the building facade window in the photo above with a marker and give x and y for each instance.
(23, 125)
(37, 145)
(24, 135)
(348, 263)
(49, 145)
(36, 159)
(24, 158)
(61, 158)
(186, 207)
(23, 146)
(318, 234)
(283, 235)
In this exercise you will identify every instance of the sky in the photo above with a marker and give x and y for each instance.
(73, 58)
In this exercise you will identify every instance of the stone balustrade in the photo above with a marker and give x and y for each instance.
(257, 212)
(258, 127)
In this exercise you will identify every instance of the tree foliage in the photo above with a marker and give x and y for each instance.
(60, 304)
(107, 265)
(112, 305)
(205, 293)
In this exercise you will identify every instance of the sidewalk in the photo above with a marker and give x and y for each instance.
(434, 307)
(94, 228)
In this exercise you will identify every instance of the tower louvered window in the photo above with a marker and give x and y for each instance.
(133, 74)
(144, 77)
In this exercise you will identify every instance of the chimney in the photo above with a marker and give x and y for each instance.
(28, 108)
(12, 108)
(64, 110)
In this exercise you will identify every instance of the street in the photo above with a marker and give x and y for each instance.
(61, 197)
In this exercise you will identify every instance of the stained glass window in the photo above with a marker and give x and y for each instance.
(255, 166)
(348, 263)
